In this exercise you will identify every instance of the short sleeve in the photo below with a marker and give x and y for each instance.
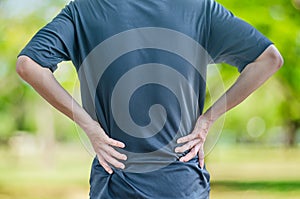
(54, 43)
(232, 40)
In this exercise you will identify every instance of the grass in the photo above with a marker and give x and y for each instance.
(60, 174)
(280, 186)
(254, 172)
(236, 172)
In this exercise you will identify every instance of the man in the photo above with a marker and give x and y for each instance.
(142, 69)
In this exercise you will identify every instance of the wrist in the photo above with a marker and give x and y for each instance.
(86, 125)
(84, 121)
(210, 116)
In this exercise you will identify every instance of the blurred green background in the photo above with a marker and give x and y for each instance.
(44, 155)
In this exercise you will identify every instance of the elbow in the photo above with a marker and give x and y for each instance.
(22, 66)
(275, 59)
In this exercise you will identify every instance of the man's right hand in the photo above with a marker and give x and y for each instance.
(104, 148)
(44, 82)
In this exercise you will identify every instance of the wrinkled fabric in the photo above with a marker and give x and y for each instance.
(80, 30)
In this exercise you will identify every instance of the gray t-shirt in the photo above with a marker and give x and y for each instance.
(142, 68)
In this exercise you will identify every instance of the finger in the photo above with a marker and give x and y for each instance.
(116, 154)
(187, 146)
(191, 154)
(104, 164)
(187, 138)
(201, 156)
(115, 143)
(113, 161)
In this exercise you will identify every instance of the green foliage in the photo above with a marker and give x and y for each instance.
(276, 103)
(19, 21)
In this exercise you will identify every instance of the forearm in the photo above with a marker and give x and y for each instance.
(252, 77)
(43, 81)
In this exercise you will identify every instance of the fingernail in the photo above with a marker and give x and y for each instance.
(110, 172)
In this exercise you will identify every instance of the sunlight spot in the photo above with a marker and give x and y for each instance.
(256, 127)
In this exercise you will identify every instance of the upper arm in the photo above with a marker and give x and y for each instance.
(271, 56)
(28, 69)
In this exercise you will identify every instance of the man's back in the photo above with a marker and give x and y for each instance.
(142, 68)
(146, 95)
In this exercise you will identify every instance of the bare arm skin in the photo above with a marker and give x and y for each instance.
(43, 81)
(251, 78)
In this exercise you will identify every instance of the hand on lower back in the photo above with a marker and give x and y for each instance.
(194, 142)
(104, 148)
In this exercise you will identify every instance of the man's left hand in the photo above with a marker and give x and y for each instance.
(195, 141)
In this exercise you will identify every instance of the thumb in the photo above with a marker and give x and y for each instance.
(201, 157)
